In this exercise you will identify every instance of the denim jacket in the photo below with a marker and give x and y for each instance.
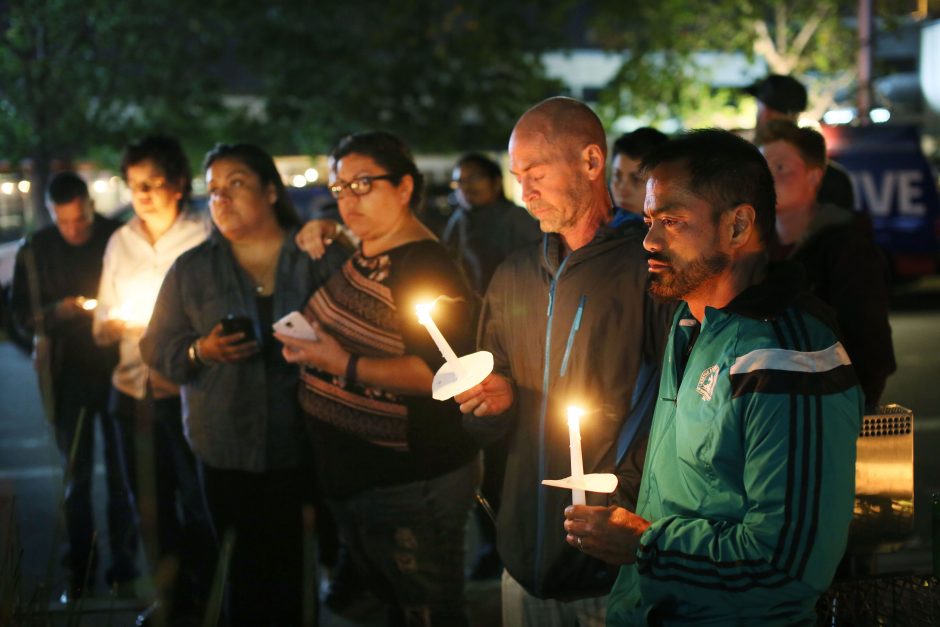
(229, 407)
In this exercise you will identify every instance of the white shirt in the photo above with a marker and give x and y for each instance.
(131, 277)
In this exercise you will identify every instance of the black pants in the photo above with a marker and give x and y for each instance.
(266, 569)
(79, 518)
(184, 528)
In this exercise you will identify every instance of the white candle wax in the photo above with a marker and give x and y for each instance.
(424, 317)
(577, 463)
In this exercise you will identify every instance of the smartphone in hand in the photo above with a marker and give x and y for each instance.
(295, 325)
(235, 324)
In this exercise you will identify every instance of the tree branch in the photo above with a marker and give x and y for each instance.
(764, 46)
(809, 29)
(781, 26)
(824, 96)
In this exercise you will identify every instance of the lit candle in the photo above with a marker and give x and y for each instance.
(136, 301)
(88, 304)
(131, 312)
(424, 317)
(577, 463)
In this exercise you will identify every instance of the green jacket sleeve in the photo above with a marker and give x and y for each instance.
(798, 479)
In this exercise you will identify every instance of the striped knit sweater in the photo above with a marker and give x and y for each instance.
(366, 436)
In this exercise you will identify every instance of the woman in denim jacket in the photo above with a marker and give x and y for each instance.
(242, 418)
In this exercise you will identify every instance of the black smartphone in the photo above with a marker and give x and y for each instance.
(234, 324)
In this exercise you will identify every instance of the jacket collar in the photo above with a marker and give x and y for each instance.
(767, 300)
(606, 236)
(216, 239)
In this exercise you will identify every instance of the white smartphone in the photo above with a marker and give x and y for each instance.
(295, 325)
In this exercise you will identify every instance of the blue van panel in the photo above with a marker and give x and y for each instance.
(894, 184)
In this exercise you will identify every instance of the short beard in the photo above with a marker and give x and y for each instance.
(575, 198)
(672, 284)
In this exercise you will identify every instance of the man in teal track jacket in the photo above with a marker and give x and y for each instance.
(748, 487)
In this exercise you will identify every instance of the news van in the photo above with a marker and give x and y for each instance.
(896, 186)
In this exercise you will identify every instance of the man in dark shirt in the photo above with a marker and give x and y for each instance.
(55, 281)
(784, 98)
(844, 267)
(486, 227)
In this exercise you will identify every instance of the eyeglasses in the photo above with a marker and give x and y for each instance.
(359, 186)
(145, 187)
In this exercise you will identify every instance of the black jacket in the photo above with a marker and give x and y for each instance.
(47, 270)
(482, 237)
(846, 270)
(580, 331)
(836, 187)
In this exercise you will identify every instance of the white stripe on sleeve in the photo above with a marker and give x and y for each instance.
(793, 361)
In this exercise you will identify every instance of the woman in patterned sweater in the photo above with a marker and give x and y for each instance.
(396, 467)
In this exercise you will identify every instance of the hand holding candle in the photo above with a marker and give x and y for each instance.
(134, 305)
(132, 312)
(88, 304)
(72, 306)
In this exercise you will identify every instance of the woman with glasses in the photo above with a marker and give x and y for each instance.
(211, 333)
(397, 469)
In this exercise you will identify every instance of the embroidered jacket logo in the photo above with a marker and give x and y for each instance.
(706, 383)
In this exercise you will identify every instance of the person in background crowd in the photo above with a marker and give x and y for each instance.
(568, 321)
(784, 98)
(627, 183)
(398, 470)
(55, 282)
(485, 227)
(748, 487)
(483, 230)
(242, 418)
(138, 256)
(844, 267)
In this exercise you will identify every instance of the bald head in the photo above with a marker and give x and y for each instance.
(568, 124)
(558, 153)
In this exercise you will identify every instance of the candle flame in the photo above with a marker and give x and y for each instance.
(89, 304)
(424, 312)
(575, 413)
(132, 312)
(424, 309)
(137, 299)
